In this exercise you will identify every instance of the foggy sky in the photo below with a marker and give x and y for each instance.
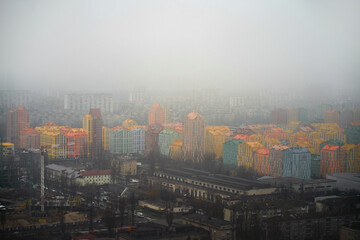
(116, 45)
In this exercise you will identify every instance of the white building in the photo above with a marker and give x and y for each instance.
(97, 177)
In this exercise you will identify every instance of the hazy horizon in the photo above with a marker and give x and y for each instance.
(183, 45)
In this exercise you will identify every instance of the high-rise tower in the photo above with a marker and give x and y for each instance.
(92, 123)
(158, 114)
(16, 120)
(193, 137)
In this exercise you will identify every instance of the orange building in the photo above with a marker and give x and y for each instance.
(275, 160)
(158, 114)
(29, 138)
(332, 160)
(16, 119)
(193, 137)
(261, 161)
(352, 157)
(76, 141)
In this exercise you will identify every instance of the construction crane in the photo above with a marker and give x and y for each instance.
(43, 151)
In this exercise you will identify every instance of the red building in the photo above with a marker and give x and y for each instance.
(158, 114)
(16, 120)
(97, 124)
(152, 138)
(261, 161)
(332, 160)
(76, 141)
(29, 138)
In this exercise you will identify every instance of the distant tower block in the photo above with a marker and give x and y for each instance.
(92, 123)
(158, 114)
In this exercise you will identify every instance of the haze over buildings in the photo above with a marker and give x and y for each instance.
(308, 47)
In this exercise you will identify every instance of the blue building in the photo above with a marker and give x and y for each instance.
(296, 163)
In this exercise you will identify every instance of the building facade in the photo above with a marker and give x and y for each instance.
(158, 114)
(332, 160)
(16, 120)
(230, 151)
(193, 137)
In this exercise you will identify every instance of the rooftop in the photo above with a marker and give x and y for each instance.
(330, 148)
(95, 172)
(194, 115)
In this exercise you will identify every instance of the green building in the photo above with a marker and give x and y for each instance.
(352, 133)
(230, 151)
(315, 166)
(166, 137)
(120, 141)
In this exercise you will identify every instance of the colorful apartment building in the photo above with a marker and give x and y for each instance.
(275, 160)
(307, 145)
(29, 138)
(120, 141)
(53, 139)
(332, 160)
(92, 123)
(137, 137)
(76, 142)
(214, 140)
(176, 150)
(193, 137)
(261, 161)
(352, 157)
(16, 119)
(352, 132)
(230, 151)
(246, 152)
(158, 114)
(296, 162)
(166, 137)
(7, 149)
(106, 138)
(128, 123)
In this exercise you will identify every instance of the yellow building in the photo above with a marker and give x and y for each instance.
(307, 145)
(106, 138)
(316, 143)
(87, 126)
(175, 150)
(128, 123)
(256, 138)
(270, 142)
(352, 157)
(7, 149)
(55, 143)
(215, 137)
(246, 152)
